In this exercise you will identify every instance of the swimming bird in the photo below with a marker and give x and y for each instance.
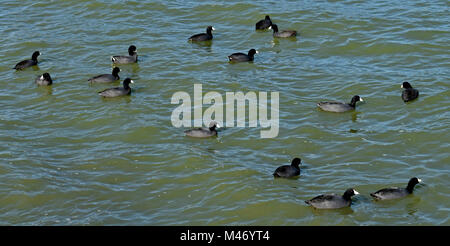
(203, 36)
(394, 192)
(44, 79)
(28, 63)
(241, 57)
(118, 91)
(331, 201)
(204, 132)
(339, 107)
(131, 58)
(409, 93)
(263, 24)
(288, 171)
(105, 78)
(282, 34)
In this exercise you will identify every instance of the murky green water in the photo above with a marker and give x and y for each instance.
(68, 157)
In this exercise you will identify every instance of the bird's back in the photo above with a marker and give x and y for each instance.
(114, 92)
(200, 37)
(328, 201)
(286, 171)
(285, 34)
(263, 24)
(104, 78)
(25, 64)
(124, 59)
(200, 132)
(410, 94)
(389, 193)
(239, 57)
(335, 106)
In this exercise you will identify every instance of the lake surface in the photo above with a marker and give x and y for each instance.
(69, 157)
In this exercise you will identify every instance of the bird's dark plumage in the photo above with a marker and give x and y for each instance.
(203, 36)
(409, 93)
(106, 78)
(131, 58)
(288, 171)
(394, 192)
(263, 24)
(331, 201)
(241, 57)
(118, 91)
(339, 107)
(282, 34)
(203, 132)
(28, 63)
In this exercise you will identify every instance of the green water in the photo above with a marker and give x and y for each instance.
(68, 157)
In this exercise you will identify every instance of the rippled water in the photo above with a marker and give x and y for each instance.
(69, 157)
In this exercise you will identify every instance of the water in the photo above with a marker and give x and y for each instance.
(69, 157)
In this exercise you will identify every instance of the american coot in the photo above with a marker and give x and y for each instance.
(28, 63)
(263, 24)
(241, 57)
(330, 201)
(203, 132)
(282, 34)
(105, 78)
(203, 36)
(288, 171)
(132, 58)
(339, 107)
(394, 192)
(118, 91)
(409, 93)
(44, 79)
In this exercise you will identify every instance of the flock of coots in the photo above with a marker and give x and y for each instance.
(326, 201)
(45, 79)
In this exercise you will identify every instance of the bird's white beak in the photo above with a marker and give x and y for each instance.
(42, 76)
(213, 29)
(217, 125)
(419, 180)
(257, 52)
(356, 193)
(361, 99)
(401, 86)
(131, 81)
(270, 27)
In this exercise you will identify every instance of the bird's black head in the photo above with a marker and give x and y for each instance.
(115, 71)
(213, 125)
(349, 193)
(267, 18)
(47, 76)
(412, 182)
(406, 85)
(355, 99)
(131, 50)
(296, 162)
(209, 29)
(126, 83)
(252, 52)
(35, 55)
